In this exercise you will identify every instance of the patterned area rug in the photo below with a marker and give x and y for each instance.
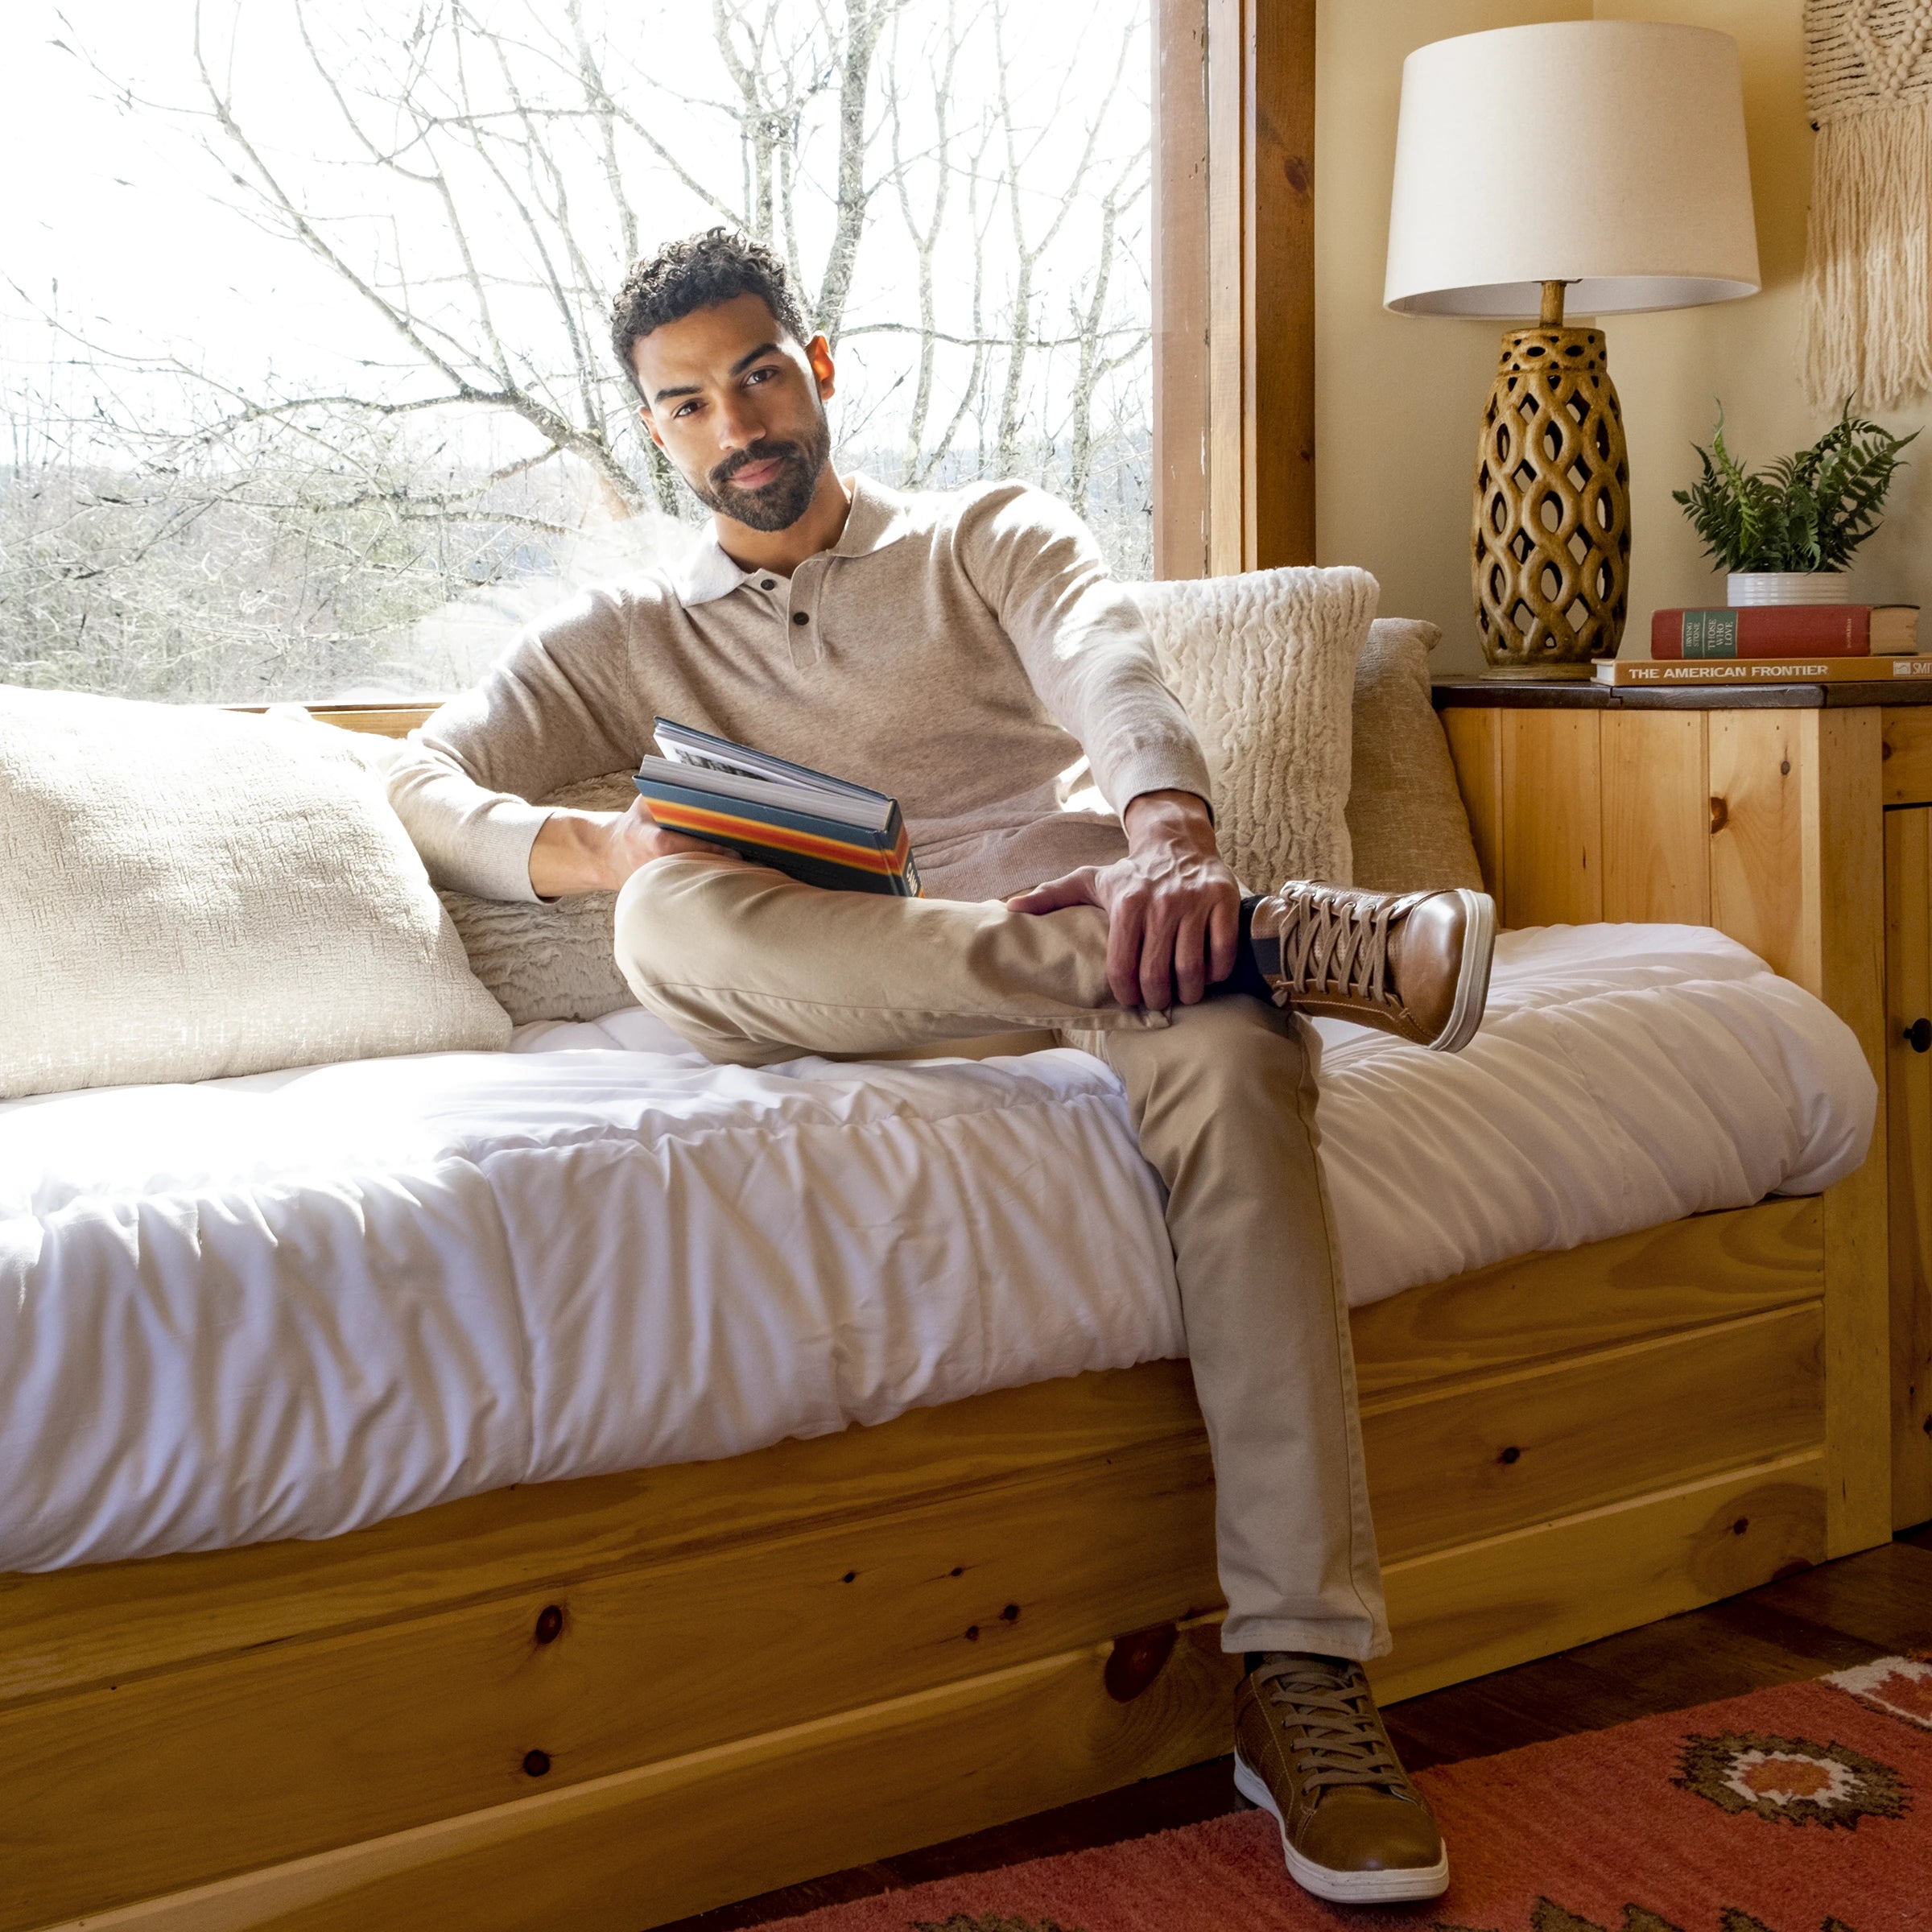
(1805, 1808)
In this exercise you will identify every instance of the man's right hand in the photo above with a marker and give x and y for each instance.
(597, 851)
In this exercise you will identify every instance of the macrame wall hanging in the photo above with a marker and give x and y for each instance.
(1869, 252)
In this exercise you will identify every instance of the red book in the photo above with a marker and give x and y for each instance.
(1787, 630)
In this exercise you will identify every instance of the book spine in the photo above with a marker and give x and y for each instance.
(1763, 630)
(1796, 670)
(906, 876)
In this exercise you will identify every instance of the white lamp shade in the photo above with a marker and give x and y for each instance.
(1606, 154)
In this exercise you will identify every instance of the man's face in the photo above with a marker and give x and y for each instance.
(739, 408)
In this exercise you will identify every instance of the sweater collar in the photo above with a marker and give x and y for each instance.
(879, 516)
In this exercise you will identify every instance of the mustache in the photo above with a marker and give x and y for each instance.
(759, 453)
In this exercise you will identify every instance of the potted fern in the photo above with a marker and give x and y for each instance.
(1784, 533)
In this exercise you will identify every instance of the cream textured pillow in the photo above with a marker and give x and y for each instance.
(1264, 664)
(186, 893)
(1406, 816)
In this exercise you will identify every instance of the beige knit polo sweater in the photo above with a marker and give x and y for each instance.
(956, 650)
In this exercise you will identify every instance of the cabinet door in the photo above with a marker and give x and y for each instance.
(1909, 1140)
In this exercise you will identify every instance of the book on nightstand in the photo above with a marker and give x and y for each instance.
(1787, 630)
(821, 830)
(1763, 670)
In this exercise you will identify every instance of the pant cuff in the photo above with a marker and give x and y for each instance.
(1351, 1637)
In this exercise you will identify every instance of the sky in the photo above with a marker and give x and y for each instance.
(120, 221)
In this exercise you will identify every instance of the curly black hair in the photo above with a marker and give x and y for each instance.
(699, 272)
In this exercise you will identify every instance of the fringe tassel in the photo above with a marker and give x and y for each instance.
(1869, 259)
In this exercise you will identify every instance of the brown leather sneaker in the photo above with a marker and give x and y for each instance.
(1413, 963)
(1308, 1747)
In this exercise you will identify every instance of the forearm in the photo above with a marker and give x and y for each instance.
(1137, 738)
(597, 851)
(1083, 643)
(471, 839)
(558, 707)
(1178, 820)
(571, 853)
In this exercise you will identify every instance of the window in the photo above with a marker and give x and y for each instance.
(306, 366)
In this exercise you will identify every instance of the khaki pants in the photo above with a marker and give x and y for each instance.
(751, 967)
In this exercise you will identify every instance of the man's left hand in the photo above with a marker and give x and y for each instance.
(1173, 908)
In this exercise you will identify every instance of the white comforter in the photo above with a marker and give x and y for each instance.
(291, 1304)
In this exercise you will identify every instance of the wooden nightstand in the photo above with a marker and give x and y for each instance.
(1797, 819)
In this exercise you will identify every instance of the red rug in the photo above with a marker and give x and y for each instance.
(1805, 1808)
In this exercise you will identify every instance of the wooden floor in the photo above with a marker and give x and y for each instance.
(1826, 1619)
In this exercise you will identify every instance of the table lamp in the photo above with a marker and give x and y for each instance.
(1604, 159)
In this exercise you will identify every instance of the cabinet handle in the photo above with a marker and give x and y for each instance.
(1918, 1036)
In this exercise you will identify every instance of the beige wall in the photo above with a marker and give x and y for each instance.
(1397, 397)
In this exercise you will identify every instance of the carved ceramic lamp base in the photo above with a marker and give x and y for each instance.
(1550, 541)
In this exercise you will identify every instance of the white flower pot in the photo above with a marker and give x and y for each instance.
(1743, 586)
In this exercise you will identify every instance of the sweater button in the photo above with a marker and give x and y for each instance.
(799, 617)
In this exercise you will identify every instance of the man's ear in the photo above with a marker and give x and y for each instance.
(651, 423)
(817, 352)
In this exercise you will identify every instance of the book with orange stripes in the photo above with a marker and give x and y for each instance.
(821, 830)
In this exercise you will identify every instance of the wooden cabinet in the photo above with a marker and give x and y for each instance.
(1804, 831)
(1905, 786)
(1909, 1140)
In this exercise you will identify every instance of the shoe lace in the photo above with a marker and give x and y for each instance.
(1335, 941)
(1327, 1707)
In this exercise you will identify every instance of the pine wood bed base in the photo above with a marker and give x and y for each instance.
(601, 1705)
(744, 1673)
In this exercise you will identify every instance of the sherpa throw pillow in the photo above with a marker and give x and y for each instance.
(1406, 816)
(1265, 664)
(556, 959)
(186, 893)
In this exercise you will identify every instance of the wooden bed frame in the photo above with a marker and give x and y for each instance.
(607, 1703)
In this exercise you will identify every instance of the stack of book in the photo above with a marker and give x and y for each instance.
(1777, 644)
(821, 830)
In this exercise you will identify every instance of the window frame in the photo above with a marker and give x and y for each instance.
(1233, 274)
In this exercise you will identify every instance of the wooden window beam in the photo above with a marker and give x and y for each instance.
(1234, 285)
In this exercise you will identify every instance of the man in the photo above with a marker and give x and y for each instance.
(954, 649)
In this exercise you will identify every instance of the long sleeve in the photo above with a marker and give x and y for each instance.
(1083, 641)
(557, 708)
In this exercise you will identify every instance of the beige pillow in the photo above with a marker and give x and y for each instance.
(186, 893)
(1264, 664)
(1406, 816)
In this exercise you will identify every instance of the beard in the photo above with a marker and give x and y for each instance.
(779, 504)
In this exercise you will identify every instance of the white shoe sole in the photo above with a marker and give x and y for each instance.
(1344, 1888)
(1472, 981)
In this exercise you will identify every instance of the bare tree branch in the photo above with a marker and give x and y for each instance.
(1030, 252)
(480, 172)
(1093, 363)
(925, 235)
(866, 20)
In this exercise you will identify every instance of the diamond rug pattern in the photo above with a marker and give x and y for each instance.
(1803, 1808)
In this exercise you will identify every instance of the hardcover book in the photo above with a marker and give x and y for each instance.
(1759, 670)
(821, 830)
(1787, 630)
